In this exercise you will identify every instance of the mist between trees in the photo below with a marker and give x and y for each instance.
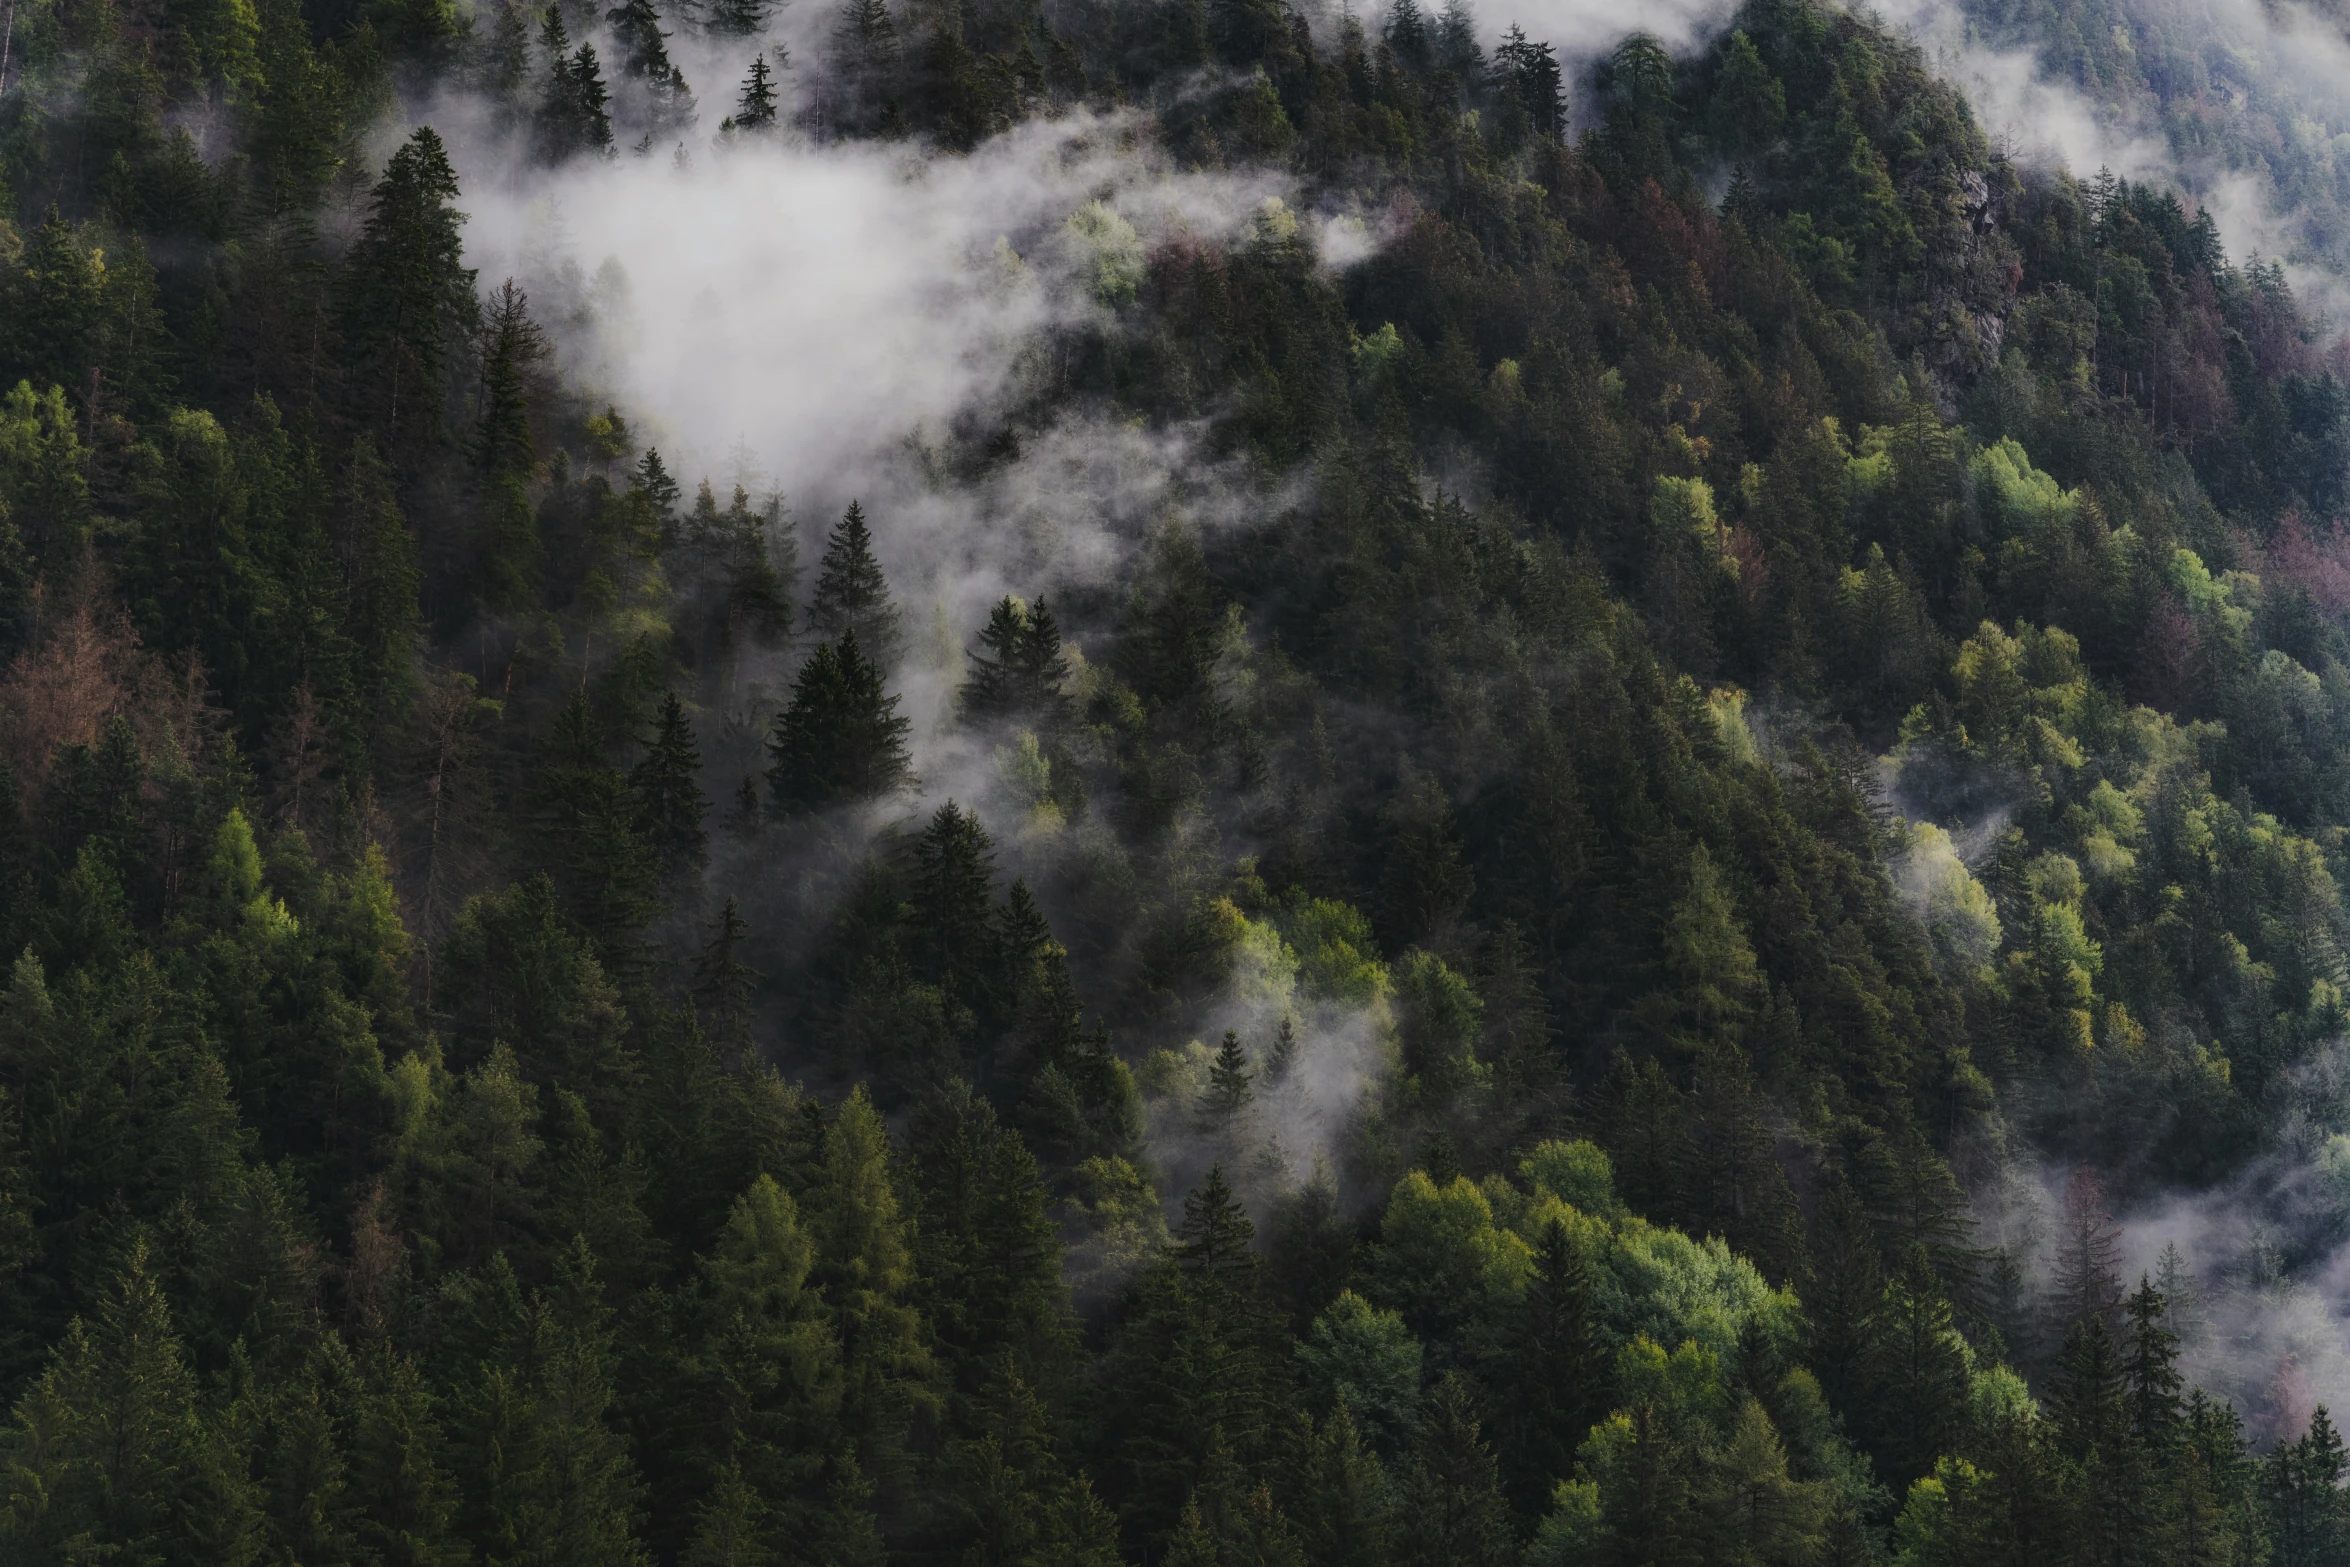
(1101, 782)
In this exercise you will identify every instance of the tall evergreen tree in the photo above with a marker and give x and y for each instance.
(668, 105)
(670, 804)
(407, 298)
(852, 599)
(841, 740)
(1020, 669)
(754, 109)
(1548, 1372)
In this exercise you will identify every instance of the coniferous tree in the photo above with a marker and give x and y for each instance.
(1453, 1514)
(595, 829)
(1192, 1372)
(841, 740)
(511, 345)
(852, 599)
(407, 298)
(952, 909)
(652, 479)
(1021, 669)
(644, 60)
(865, 1265)
(1228, 1093)
(744, 19)
(1549, 1372)
(723, 981)
(670, 805)
(754, 110)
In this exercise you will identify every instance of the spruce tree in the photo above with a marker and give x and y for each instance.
(952, 908)
(652, 479)
(670, 804)
(744, 19)
(668, 104)
(852, 598)
(407, 298)
(1020, 668)
(754, 110)
(840, 741)
(1228, 1093)
(988, 1256)
(1549, 1372)
(2150, 1368)
(1453, 1514)
(512, 344)
(723, 981)
(593, 829)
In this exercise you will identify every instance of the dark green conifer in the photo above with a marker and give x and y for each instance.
(754, 110)
(670, 804)
(851, 595)
(407, 299)
(841, 740)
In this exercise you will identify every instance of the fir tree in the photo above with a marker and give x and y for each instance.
(841, 740)
(851, 596)
(1452, 1511)
(865, 1265)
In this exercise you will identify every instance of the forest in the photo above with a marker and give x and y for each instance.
(1689, 773)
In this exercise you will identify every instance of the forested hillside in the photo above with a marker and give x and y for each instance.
(1730, 728)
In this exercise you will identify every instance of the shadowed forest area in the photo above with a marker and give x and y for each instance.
(1757, 742)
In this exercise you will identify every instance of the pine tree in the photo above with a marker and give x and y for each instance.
(398, 1478)
(840, 741)
(1846, 1294)
(1340, 1497)
(2092, 1412)
(114, 1455)
(652, 479)
(989, 1258)
(1192, 1369)
(590, 117)
(1918, 1381)
(670, 805)
(851, 596)
(2088, 1257)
